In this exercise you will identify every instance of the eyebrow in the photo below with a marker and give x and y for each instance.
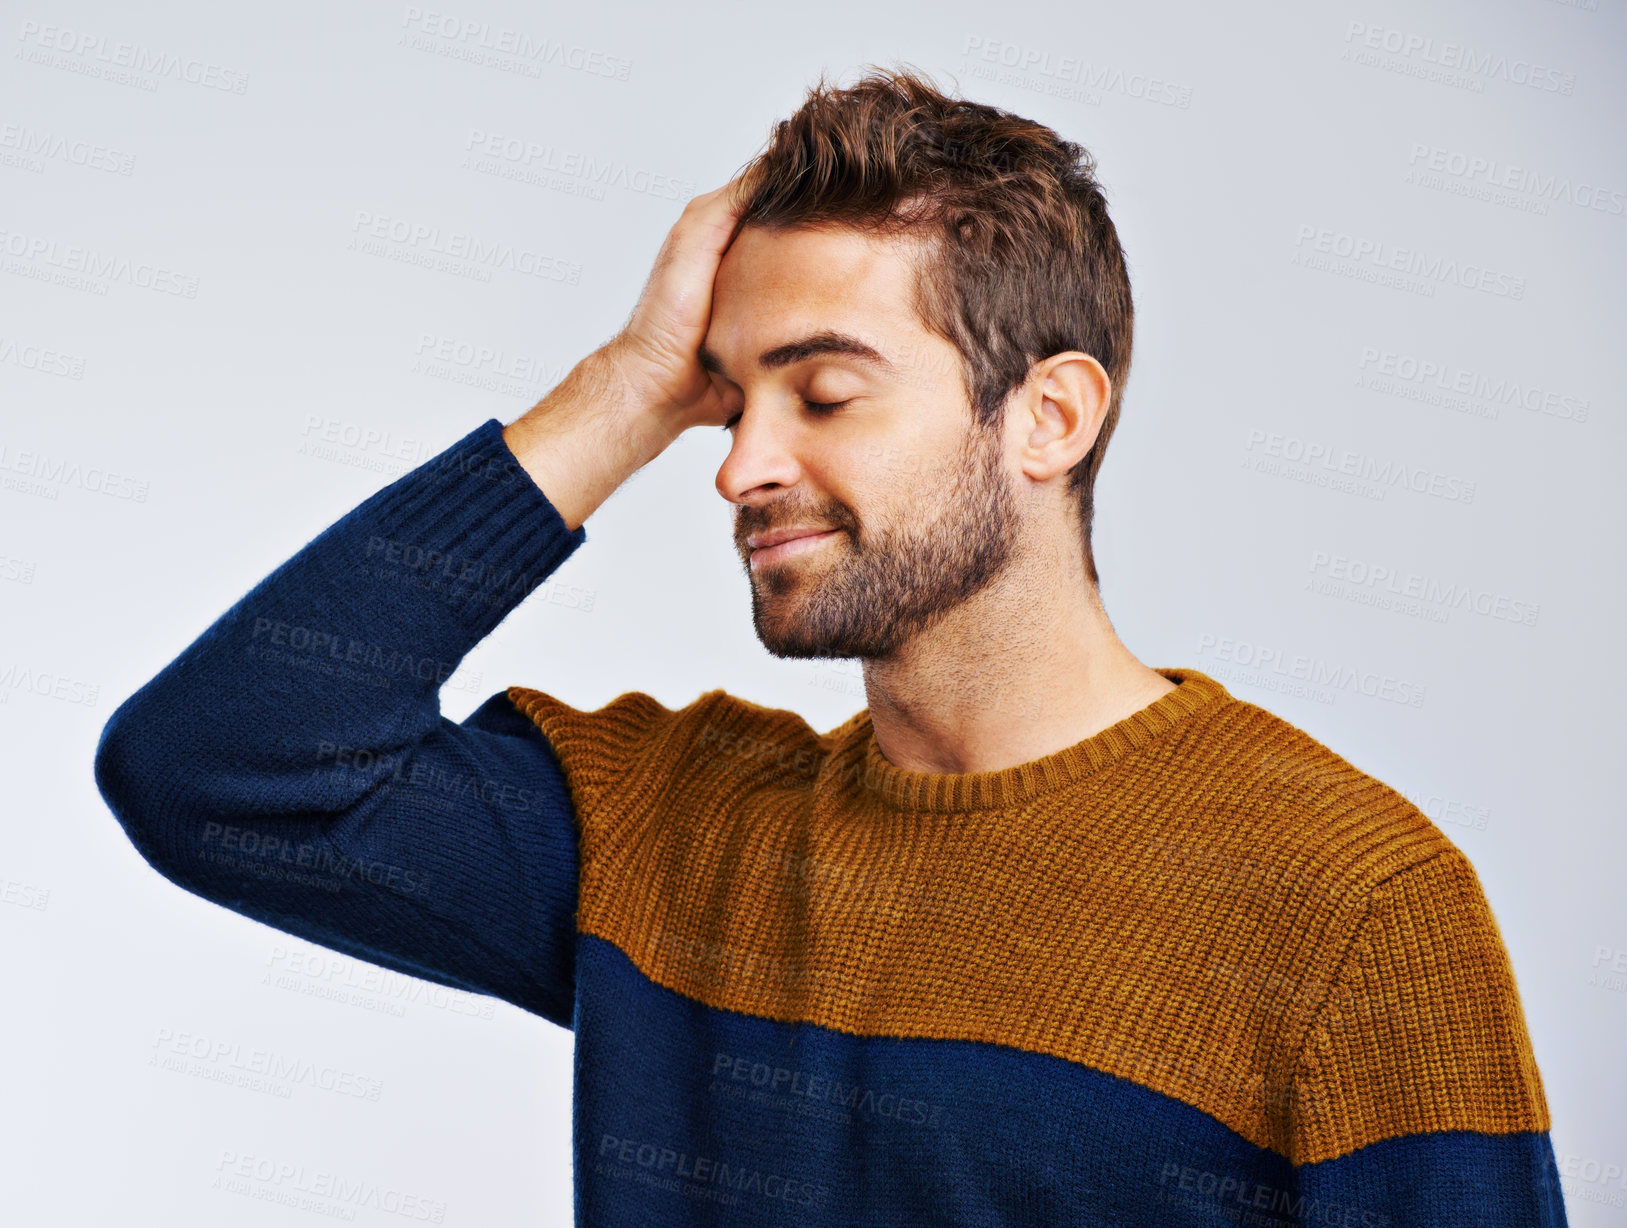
(826, 342)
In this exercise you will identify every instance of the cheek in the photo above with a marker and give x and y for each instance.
(884, 471)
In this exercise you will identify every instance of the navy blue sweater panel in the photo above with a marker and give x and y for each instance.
(292, 764)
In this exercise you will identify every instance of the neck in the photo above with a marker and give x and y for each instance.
(1025, 668)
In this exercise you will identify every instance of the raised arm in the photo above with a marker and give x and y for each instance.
(293, 765)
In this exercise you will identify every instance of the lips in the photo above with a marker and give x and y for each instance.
(774, 537)
(786, 544)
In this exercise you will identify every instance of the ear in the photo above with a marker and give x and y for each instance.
(1057, 414)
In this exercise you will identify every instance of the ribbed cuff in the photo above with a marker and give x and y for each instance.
(475, 525)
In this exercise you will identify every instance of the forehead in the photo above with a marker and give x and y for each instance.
(774, 285)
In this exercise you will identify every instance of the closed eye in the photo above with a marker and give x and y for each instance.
(818, 407)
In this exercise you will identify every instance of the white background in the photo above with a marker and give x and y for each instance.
(1237, 143)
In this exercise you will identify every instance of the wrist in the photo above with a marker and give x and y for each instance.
(587, 437)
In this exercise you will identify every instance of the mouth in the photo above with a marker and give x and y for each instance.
(789, 548)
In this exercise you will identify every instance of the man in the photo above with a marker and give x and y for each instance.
(1041, 936)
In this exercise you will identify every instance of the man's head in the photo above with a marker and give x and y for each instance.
(912, 260)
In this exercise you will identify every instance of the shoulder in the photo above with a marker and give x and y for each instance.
(636, 735)
(1303, 813)
(632, 721)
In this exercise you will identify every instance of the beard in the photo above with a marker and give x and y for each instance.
(880, 589)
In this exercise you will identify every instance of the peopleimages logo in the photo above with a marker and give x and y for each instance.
(1415, 378)
(1294, 456)
(503, 47)
(528, 160)
(41, 473)
(486, 367)
(453, 251)
(91, 269)
(319, 1191)
(125, 63)
(780, 1085)
(1069, 75)
(1492, 175)
(1316, 677)
(736, 1178)
(1211, 1193)
(14, 677)
(33, 147)
(40, 358)
(1383, 584)
(1314, 245)
(1450, 63)
(284, 1069)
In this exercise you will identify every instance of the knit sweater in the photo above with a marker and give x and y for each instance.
(1194, 968)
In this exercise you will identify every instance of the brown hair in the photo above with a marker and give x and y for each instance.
(1021, 260)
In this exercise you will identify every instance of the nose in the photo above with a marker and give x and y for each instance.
(761, 459)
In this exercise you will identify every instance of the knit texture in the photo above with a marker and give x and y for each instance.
(1194, 968)
(1200, 898)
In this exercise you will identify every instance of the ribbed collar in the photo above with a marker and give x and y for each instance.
(1012, 786)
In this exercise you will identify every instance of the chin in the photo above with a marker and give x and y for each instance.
(782, 631)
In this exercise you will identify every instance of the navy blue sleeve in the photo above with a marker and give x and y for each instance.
(293, 765)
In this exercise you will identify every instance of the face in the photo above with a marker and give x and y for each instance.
(904, 510)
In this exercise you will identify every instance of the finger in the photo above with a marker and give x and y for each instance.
(689, 266)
